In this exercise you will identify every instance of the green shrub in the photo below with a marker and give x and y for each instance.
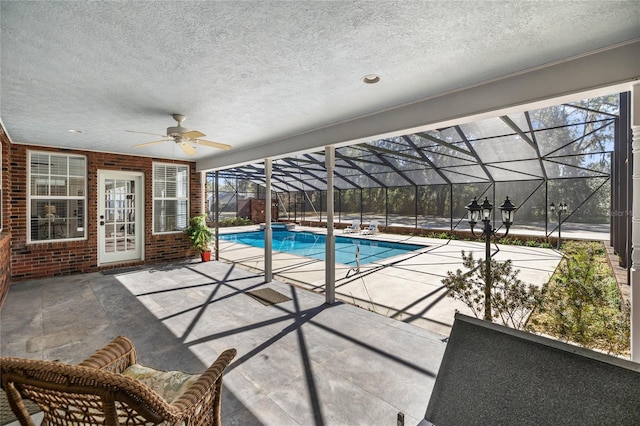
(236, 221)
(512, 301)
(510, 241)
(582, 302)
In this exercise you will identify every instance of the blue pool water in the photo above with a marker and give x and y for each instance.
(312, 245)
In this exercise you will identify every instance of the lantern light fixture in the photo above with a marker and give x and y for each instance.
(476, 211)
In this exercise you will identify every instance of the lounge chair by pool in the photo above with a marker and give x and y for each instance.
(354, 227)
(371, 229)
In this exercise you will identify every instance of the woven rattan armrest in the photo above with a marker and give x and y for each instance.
(47, 382)
(115, 357)
(204, 395)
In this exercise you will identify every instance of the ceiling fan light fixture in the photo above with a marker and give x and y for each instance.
(183, 137)
(176, 131)
(371, 79)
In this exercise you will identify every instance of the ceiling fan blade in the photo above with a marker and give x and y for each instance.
(188, 149)
(140, 145)
(147, 133)
(212, 144)
(193, 134)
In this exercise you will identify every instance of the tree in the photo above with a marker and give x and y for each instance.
(512, 301)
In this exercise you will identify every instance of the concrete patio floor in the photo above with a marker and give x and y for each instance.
(407, 288)
(299, 362)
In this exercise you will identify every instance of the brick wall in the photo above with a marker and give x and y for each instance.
(44, 259)
(5, 237)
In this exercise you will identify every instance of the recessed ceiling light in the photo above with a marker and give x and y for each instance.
(371, 79)
(76, 131)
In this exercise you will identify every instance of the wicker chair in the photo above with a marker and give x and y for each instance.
(96, 392)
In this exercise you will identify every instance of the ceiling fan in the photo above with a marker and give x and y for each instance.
(182, 137)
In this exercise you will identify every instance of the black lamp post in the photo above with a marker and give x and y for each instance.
(561, 208)
(483, 212)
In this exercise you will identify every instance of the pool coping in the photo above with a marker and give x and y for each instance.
(417, 246)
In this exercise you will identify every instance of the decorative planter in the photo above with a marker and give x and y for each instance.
(205, 256)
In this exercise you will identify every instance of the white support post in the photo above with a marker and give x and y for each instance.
(203, 192)
(635, 225)
(330, 247)
(268, 251)
(216, 211)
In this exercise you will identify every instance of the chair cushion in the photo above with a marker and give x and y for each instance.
(168, 384)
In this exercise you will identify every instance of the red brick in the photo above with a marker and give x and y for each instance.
(19, 260)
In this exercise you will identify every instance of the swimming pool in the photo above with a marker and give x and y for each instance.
(309, 244)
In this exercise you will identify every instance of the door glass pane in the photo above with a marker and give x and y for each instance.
(119, 215)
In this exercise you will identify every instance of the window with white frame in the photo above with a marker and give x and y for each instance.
(57, 196)
(170, 197)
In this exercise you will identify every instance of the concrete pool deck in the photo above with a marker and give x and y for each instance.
(408, 287)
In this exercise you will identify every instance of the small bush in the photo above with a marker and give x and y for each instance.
(583, 303)
(512, 301)
(236, 221)
(510, 241)
(442, 235)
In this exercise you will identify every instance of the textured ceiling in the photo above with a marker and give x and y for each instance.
(252, 72)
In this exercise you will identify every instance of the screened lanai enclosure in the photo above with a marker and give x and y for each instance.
(572, 153)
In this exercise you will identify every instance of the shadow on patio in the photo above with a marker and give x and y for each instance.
(299, 362)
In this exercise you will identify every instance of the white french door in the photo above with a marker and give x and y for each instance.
(120, 216)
